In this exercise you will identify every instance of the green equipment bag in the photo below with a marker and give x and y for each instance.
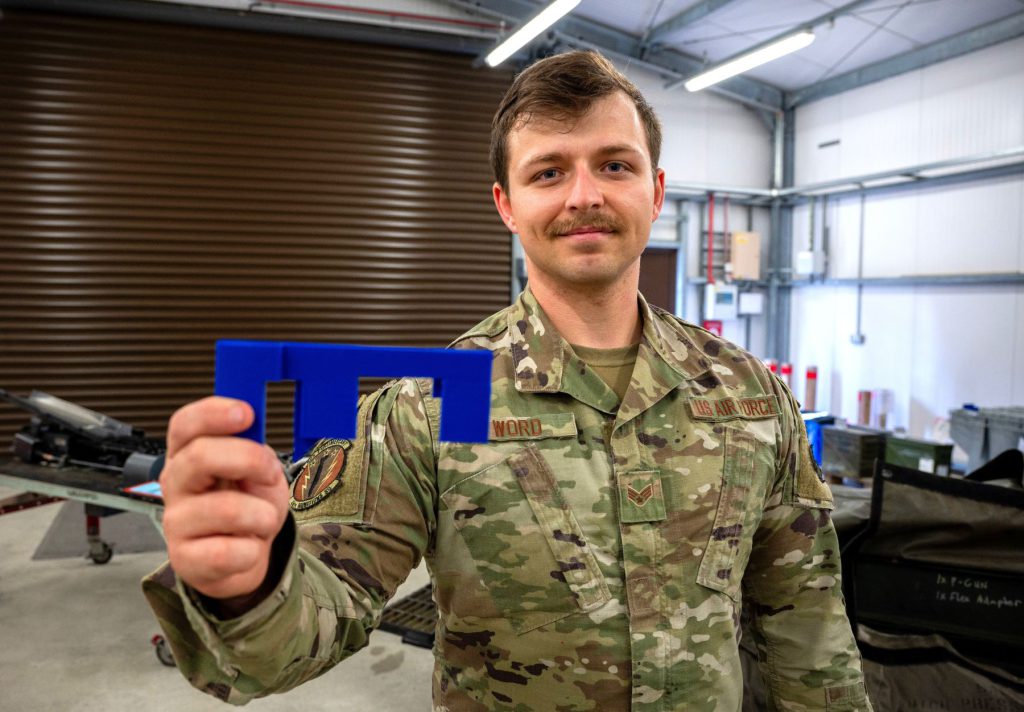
(933, 574)
(935, 588)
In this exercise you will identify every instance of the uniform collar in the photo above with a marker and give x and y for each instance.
(667, 358)
(667, 337)
(545, 363)
(538, 350)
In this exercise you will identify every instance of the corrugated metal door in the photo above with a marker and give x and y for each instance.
(166, 186)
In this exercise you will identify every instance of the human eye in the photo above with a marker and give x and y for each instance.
(616, 167)
(546, 175)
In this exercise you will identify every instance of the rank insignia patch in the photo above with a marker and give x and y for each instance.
(321, 475)
(639, 497)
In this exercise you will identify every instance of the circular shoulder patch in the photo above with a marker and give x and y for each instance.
(321, 475)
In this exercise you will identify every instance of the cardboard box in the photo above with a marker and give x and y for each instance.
(746, 255)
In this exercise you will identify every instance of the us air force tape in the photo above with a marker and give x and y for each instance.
(322, 473)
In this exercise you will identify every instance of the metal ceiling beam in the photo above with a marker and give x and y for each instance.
(687, 17)
(1002, 30)
(909, 173)
(966, 176)
(984, 279)
(575, 31)
(809, 25)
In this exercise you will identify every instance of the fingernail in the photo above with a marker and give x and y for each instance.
(237, 415)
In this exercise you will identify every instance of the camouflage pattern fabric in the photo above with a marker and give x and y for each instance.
(591, 556)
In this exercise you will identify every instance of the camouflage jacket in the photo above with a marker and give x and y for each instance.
(590, 556)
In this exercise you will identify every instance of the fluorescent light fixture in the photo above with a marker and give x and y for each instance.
(519, 39)
(746, 62)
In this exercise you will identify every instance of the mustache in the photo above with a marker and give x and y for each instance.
(599, 221)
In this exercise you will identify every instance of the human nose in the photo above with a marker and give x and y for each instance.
(584, 192)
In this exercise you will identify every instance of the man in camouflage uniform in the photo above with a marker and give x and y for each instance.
(643, 480)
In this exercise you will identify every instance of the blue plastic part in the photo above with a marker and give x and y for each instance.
(327, 384)
(814, 437)
(814, 421)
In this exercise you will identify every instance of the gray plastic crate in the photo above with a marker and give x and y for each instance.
(1005, 429)
(968, 430)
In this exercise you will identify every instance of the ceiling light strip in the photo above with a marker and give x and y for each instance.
(746, 62)
(521, 37)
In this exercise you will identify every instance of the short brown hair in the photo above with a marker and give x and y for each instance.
(563, 88)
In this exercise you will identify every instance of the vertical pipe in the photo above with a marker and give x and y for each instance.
(812, 206)
(858, 337)
(777, 151)
(682, 281)
(700, 261)
(711, 238)
(771, 325)
(726, 247)
(785, 269)
(748, 319)
(826, 236)
(771, 317)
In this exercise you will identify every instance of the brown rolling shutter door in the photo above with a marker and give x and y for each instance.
(166, 186)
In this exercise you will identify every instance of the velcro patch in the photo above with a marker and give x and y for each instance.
(640, 497)
(534, 427)
(321, 475)
(810, 488)
(718, 409)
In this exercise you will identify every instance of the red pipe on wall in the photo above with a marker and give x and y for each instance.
(711, 238)
(726, 245)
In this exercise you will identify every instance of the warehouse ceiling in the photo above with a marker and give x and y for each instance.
(870, 32)
(856, 42)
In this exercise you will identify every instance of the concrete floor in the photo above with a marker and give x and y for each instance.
(76, 636)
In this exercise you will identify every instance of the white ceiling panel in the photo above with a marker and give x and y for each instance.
(632, 16)
(756, 16)
(789, 72)
(712, 40)
(929, 20)
(851, 43)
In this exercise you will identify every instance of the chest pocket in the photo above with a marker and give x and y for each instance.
(744, 479)
(526, 544)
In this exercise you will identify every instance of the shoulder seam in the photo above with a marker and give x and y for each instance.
(497, 327)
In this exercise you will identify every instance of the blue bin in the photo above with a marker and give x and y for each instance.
(814, 421)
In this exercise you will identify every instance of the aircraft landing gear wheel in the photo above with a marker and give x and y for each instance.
(101, 553)
(163, 651)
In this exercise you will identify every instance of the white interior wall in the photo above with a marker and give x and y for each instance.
(707, 138)
(713, 140)
(935, 347)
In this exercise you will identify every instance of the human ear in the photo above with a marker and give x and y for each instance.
(659, 194)
(503, 202)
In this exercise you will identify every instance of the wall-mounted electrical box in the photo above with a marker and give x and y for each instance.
(721, 301)
(810, 262)
(751, 303)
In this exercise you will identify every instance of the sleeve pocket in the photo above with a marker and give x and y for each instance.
(728, 548)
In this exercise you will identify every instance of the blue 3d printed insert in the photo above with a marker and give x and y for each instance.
(327, 384)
